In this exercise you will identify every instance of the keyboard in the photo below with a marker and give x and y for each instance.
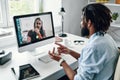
(45, 59)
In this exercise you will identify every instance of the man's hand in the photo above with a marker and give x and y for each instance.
(62, 49)
(54, 55)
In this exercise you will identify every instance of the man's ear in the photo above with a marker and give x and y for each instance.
(89, 23)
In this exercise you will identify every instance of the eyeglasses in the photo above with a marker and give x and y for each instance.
(76, 42)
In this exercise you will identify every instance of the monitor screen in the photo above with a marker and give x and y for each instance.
(33, 30)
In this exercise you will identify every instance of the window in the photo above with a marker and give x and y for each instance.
(9, 8)
(0, 14)
(17, 7)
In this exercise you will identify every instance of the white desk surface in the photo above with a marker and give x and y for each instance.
(48, 71)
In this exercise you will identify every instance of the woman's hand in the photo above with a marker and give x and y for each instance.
(38, 33)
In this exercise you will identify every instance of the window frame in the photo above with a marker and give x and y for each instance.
(4, 16)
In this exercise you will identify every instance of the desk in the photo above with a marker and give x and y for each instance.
(48, 71)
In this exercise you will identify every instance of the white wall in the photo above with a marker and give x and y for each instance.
(73, 15)
(115, 33)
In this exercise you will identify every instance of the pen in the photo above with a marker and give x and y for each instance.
(16, 75)
(13, 70)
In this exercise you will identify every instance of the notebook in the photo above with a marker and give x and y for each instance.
(25, 72)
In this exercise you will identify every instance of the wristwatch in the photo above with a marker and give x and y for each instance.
(60, 61)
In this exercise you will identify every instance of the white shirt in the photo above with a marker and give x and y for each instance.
(98, 59)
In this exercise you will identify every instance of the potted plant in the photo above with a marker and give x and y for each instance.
(115, 15)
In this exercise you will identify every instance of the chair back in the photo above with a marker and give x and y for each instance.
(117, 70)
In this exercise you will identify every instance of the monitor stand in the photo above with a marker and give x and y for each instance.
(41, 55)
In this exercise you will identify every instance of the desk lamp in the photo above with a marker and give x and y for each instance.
(62, 13)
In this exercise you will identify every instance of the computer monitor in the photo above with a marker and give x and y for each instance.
(34, 30)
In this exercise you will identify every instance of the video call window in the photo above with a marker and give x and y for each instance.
(34, 28)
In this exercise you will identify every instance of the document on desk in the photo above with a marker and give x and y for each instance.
(25, 72)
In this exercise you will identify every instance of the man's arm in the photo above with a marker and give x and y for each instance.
(69, 72)
(74, 54)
